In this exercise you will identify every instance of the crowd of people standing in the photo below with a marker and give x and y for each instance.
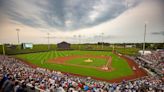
(16, 76)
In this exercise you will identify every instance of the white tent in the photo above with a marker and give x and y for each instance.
(146, 52)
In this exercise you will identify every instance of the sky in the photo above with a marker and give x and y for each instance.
(81, 21)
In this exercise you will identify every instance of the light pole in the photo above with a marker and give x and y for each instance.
(79, 41)
(97, 40)
(144, 40)
(18, 34)
(48, 41)
(74, 36)
(76, 41)
(102, 40)
(127, 4)
(163, 36)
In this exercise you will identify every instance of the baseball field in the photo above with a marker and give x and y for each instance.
(95, 64)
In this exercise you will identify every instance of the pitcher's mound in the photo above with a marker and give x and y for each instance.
(104, 68)
(88, 60)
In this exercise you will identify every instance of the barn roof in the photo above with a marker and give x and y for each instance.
(63, 42)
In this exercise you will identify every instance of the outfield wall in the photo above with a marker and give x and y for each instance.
(36, 48)
(44, 47)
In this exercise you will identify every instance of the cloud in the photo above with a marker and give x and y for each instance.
(64, 14)
(158, 33)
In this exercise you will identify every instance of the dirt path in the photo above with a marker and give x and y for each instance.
(62, 60)
(66, 58)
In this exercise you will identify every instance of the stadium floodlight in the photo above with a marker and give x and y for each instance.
(102, 41)
(127, 3)
(48, 41)
(144, 38)
(83, 38)
(97, 40)
(163, 37)
(74, 38)
(79, 41)
(18, 34)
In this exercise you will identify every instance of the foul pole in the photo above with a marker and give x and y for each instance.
(79, 41)
(18, 35)
(48, 41)
(144, 40)
(102, 40)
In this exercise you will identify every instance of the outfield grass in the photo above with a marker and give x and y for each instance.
(128, 51)
(121, 67)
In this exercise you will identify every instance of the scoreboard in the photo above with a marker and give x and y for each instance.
(27, 45)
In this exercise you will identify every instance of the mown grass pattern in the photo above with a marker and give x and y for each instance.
(121, 67)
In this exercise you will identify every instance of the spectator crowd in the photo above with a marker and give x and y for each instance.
(16, 76)
(153, 61)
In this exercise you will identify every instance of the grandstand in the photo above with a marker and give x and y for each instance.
(25, 78)
(153, 61)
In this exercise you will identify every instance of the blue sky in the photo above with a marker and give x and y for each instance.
(120, 20)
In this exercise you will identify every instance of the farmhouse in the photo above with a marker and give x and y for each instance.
(63, 45)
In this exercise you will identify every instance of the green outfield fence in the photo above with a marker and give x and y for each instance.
(44, 47)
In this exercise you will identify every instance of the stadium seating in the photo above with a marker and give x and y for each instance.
(154, 61)
(20, 77)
